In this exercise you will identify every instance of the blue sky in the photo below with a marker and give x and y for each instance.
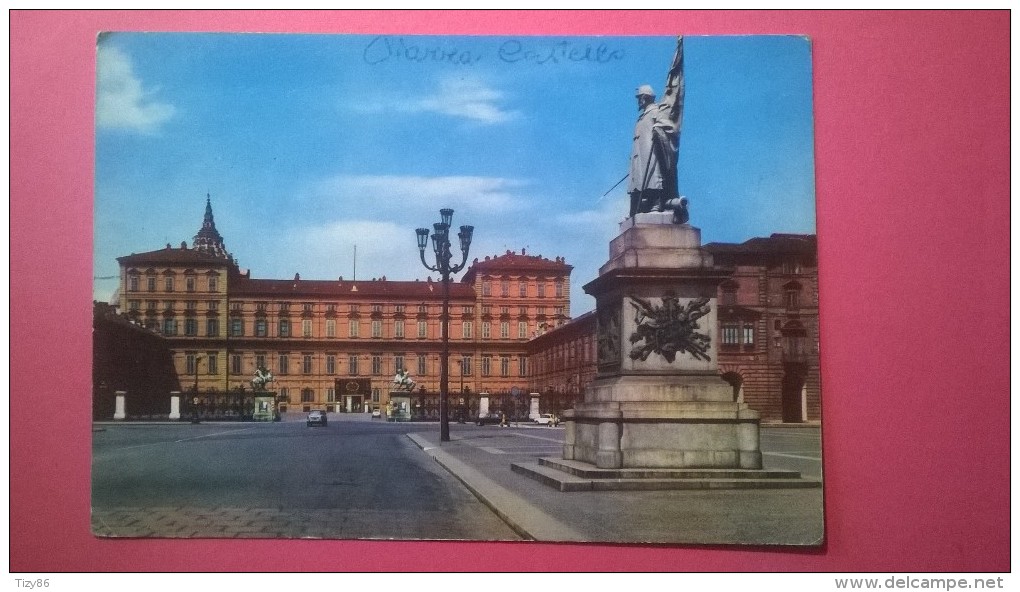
(312, 144)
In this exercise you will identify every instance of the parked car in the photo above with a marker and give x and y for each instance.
(376, 413)
(548, 419)
(316, 417)
(487, 419)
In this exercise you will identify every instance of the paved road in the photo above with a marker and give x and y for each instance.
(773, 516)
(351, 479)
(363, 478)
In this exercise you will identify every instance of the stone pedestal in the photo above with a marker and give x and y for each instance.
(175, 405)
(119, 411)
(533, 409)
(658, 400)
(483, 405)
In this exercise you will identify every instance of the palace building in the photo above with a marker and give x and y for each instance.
(337, 344)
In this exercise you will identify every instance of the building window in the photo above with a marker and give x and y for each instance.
(284, 395)
(376, 308)
(466, 328)
(469, 309)
(134, 304)
(330, 395)
(422, 329)
(307, 395)
(238, 306)
(284, 328)
(132, 283)
(190, 327)
(398, 309)
(376, 364)
(422, 365)
(150, 305)
(422, 309)
(398, 362)
(504, 288)
(285, 307)
(730, 335)
(353, 332)
(523, 288)
(213, 283)
(236, 327)
(354, 308)
(376, 328)
(261, 328)
(260, 361)
(486, 329)
(169, 284)
(522, 366)
(748, 334)
(465, 366)
(486, 310)
(792, 298)
(330, 364)
(486, 365)
(541, 289)
(212, 327)
(352, 364)
(260, 307)
(307, 307)
(330, 327)
(150, 283)
(375, 395)
(504, 366)
(559, 289)
(306, 327)
(504, 330)
(284, 364)
(729, 295)
(306, 364)
(522, 329)
(486, 288)
(189, 283)
(213, 362)
(235, 363)
(169, 327)
(214, 305)
(189, 364)
(190, 305)
(398, 328)
(168, 305)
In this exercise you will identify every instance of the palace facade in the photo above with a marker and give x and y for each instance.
(337, 344)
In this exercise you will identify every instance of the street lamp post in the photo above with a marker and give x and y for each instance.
(194, 398)
(441, 247)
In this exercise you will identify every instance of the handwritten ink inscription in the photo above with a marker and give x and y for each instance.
(538, 52)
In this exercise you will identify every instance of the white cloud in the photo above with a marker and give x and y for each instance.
(121, 101)
(461, 98)
(413, 194)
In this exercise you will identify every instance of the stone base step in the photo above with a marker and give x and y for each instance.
(566, 475)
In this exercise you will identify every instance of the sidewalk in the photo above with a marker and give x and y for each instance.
(481, 460)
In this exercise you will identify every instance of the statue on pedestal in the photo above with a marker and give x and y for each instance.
(653, 160)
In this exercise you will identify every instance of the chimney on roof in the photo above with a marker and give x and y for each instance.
(168, 246)
(340, 279)
(523, 252)
(184, 245)
(297, 276)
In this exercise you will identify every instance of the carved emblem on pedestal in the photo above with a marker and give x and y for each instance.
(669, 329)
(609, 335)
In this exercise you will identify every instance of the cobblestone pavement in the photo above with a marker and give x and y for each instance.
(258, 523)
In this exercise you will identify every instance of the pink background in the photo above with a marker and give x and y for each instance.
(912, 136)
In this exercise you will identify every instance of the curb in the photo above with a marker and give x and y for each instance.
(519, 514)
